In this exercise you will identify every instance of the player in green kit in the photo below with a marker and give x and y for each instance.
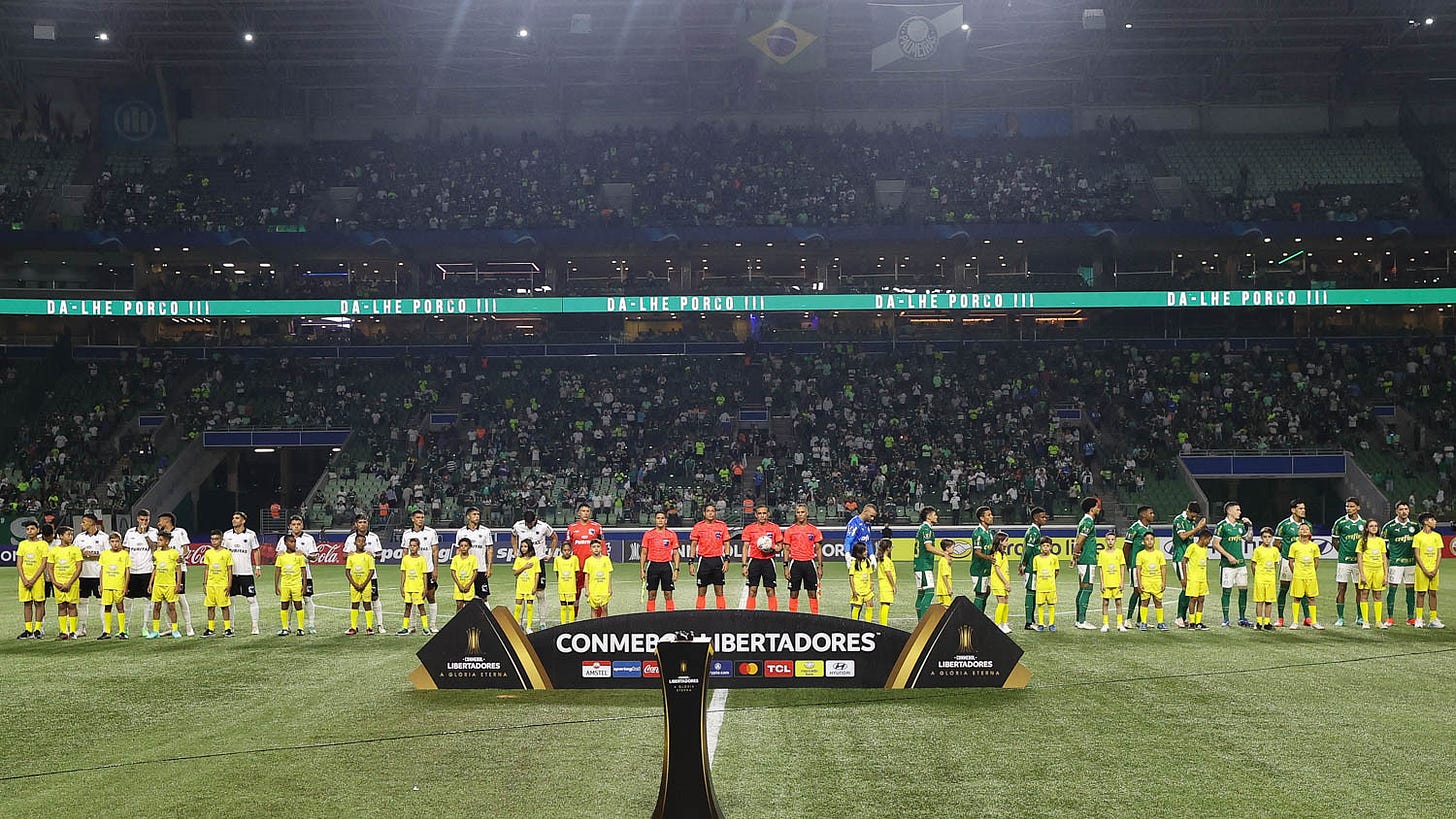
(924, 563)
(1135, 531)
(1399, 536)
(981, 557)
(1186, 527)
(1085, 552)
(1030, 546)
(1285, 534)
(1345, 535)
(1228, 540)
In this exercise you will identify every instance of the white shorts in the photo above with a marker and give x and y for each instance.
(925, 580)
(1087, 575)
(1238, 576)
(1347, 573)
(1400, 574)
(1031, 581)
(980, 586)
(1285, 575)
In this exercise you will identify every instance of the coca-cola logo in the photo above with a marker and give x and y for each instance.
(329, 554)
(193, 553)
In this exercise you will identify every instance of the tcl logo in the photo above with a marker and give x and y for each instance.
(778, 668)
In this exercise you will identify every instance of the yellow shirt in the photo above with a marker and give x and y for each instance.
(566, 569)
(31, 556)
(1428, 547)
(530, 570)
(114, 566)
(1045, 567)
(1150, 563)
(1372, 553)
(462, 568)
(219, 565)
(65, 563)
(292, 564)
(359, 566)
(1111, 561)
(1266, 564)
(1000, 560)
(1303, 554)
(413, 569)
(598, 570)
(887, 576)
(164, 568)
(1197, 557)
(861, 579)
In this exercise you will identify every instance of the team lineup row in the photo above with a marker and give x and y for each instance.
(144, 563)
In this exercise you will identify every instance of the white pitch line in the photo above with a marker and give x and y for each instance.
(719, 704)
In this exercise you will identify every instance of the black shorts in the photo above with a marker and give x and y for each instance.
(432, 581)
(482, 586)
(91, 587)
(50, 590)
(761, 572)
(137, 585)
(710, 571)
(308, 587)
(803, 573)
(541, 582)
(181, 582)
(244, 586)
(659, 575)
(374, 587)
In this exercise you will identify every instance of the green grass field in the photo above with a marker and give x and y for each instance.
(1228, 722)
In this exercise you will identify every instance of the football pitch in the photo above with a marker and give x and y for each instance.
(1220, 723)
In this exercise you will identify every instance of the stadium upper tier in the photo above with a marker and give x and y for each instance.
(706, 175)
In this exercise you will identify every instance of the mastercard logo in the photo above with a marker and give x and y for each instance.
(749, 669)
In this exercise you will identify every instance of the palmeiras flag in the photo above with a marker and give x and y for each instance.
(917, 38)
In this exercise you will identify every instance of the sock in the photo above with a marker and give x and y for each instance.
(1051, 614)
(29, 626)
(721, 603)
(434, 613)
(670, 604)
(353, 620)
(1365, 610)
(106, 622)
(379, 613)
(157, 624)
(518, 611)
(773, 603)
(1106, 619)
(185, 609)
(308, 607)
(1379, 611)
(1313, 618)
(283, 618)
(369, 619)
(1121, 621)
(753, 602)
(1420, 613)
(1001, 611)
(1227, 593)
(1160, 615)
(1339, 611)
(1183, 606)
(1030, 607)
(1283, 596)
(1243, 604)
(424, 620)
(121, 621)
(227, 624)
(1143, 612)
(86, 607)
(530, 611)
(299, 616)
(1433, 614)
(404, 627)
(981, 601)
(1083, 597)
(793, 604)
(813, 605)
(1410, 601)
(702, 602)
(884, 614)
(651, 604)
(253, 610)
(854, 611)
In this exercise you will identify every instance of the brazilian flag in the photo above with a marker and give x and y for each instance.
(786, 36)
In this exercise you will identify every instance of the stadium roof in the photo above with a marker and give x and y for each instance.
(443, 55)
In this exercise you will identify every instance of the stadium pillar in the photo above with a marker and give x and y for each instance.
(686, 789)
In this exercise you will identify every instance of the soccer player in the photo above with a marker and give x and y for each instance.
(1001, 581)
(413, 572)
(598, 579)
(163, 584)
(1427, 545)
(1195, 578)
(167, 522)
(463, 568)
(708, 558)
(1152, 578)
(806, 559)
(761, 544)
(1134, 544)
(376, 550)
(63, 571)
(526, 566)
(943, 578)
(861, 578)
(115, 580)
(542, 537)
(1228, 541)
(242, 542)
(482, 545)
(1187, 526)
(885, 573)
(1345, 535)
(92, 542)
(1266, 559)
(1399, 536)
(659, 561)
(289, 568)
(359, 571)
(1110, 564)
(308, 547)
(981, 557)
(857, 530)
(1029, 543)
(217, 583)
(430, 550)
(30, 559)
(924, 562)
(1285, 534)
(1304, 556)
(579, 537)
(566, 565)
(1085, 549)
(140, 540)
(1373, 566)
(1046, 565)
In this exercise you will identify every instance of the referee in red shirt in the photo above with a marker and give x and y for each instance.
(709, 539)
(806, 559)
(659, 561)
(761, 541)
